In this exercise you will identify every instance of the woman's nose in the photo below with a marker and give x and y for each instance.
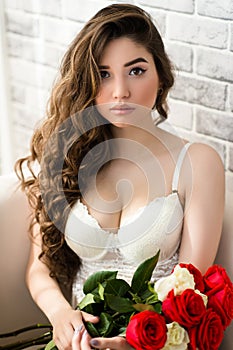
(120, 89)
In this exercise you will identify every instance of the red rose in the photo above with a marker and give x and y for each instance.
(198, 278)
(146, 330)
(187, 308)
(219, 290)
(222, 304)
(216, 279)
(208, 334)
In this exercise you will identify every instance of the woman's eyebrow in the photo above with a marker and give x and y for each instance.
(139, 59)
(136, 60)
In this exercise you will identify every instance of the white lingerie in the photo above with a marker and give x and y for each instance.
(157, 226)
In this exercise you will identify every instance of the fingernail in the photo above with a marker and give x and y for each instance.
(94, 342)
(78, 329)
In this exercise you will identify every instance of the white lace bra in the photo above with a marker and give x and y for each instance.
(155, 226)
(158, 225)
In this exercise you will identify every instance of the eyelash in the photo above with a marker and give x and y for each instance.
(103, 73)
(142, 71)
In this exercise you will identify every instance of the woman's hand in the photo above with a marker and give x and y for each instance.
(82, 341)
(67, 321)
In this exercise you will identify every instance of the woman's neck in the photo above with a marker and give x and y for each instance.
(142, 134)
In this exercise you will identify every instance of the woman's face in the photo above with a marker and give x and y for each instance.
(129, 79)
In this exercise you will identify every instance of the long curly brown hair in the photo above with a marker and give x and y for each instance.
(60, 144)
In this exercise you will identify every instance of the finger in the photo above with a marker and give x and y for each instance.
(77, 339)
(115, 343)
(77, 322)
(85, 341)
(89, 317)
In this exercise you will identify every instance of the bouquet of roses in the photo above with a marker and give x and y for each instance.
(182, 311)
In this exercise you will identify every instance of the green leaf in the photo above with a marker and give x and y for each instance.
(91, 329)
(101, 291)
(88, 299)
(98, 299)
(105, 325)
(121, 321)
(143, 274)
(147, 293)
(51, 346)
(152, 299)
(94, 308)
(137, 299)
(119, 304)
(117, 287)
(158, 307)
(143, 307)
(122, 332)
(151, 288)
(93, 281)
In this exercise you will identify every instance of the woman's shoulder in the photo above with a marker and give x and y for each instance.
(199, 153)
(204, 154)
(203, 164)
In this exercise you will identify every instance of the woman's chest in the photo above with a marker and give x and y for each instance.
(121, 189)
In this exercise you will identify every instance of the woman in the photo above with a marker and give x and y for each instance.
(113, 187)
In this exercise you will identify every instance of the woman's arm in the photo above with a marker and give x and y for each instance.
(204, 206)
(44, 289)
(46, 293)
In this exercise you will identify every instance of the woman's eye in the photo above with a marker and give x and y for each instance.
(137, 71)
(104, 74)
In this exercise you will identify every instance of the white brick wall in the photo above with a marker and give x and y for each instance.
(215, 8)
(198, 30)
(215, 124)
(231, 34)
(198, 35)
(180, 6)
(214, 64)
(199, 91)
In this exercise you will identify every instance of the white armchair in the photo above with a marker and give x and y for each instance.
(16, 306)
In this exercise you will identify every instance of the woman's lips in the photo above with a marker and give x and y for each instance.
(122, 109)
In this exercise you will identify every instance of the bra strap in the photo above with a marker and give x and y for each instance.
(178, 167)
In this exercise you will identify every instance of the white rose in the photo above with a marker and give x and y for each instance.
(164, 285)
(179, 280)
(177, 337)
(204, 297)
